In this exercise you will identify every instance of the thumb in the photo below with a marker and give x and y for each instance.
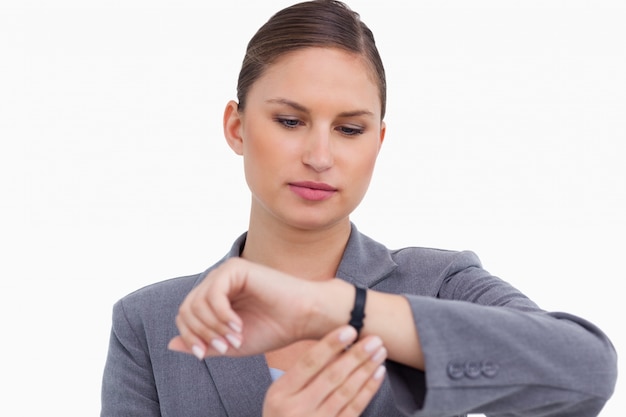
(178, 345)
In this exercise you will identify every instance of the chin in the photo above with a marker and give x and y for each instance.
(316, 223)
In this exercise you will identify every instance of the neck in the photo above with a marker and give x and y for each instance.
(309, 254)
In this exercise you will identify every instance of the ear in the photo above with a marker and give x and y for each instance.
(233, 126)
(383, 130)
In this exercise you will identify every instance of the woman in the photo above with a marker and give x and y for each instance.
(266, 329)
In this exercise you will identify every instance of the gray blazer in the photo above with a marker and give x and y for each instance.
(488, 348)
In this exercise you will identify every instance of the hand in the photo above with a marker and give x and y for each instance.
(330, 380)
(245, 306)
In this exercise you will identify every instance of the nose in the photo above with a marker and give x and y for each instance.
(317, 153)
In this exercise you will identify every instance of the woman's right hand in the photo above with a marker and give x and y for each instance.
(253, 308)
(332, 378)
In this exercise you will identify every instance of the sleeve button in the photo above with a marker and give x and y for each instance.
(489, 369)
(472, 370)
(455, 370)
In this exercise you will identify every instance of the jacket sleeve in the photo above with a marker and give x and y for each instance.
(489, 349)
(128, 386)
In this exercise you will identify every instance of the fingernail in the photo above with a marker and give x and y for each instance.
(198, 352)
(219, 345)
(233, 340)
(234, 326)
(347, 334)
(380, 355)
(373, 344)
(380, 372)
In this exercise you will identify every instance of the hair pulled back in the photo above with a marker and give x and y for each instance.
(317, 23)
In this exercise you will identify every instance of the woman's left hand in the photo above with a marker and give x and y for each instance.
(330, 379)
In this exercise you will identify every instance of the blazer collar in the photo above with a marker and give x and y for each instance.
(364, 261)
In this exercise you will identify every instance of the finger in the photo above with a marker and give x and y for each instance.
(199, 337)
(316, 359)
(187, 341)
(201, 318)
(340, 382)
(195, 324)
(353, 396)
(213, 304)
(364, 396)
(205, 322)
(177, 344)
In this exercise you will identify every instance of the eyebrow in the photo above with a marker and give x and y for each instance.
(301, 108)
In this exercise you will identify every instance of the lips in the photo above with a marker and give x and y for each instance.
(312, 191)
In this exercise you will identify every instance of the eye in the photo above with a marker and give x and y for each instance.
(350, 131)
(287, 122)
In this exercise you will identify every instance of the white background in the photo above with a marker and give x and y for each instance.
(506, 131)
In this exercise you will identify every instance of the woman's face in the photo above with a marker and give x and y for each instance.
(309, 135)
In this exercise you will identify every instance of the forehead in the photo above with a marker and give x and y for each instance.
(322, 54)
(317, 73)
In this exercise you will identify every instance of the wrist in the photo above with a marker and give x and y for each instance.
(330, 308)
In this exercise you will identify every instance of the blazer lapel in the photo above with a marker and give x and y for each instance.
(364, 261)
(240, 382)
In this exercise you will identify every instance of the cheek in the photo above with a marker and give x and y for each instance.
(263, 153)
(359, 170)
(265, 158)
(367, 161)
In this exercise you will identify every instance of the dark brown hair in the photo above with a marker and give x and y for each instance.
(317, 23)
